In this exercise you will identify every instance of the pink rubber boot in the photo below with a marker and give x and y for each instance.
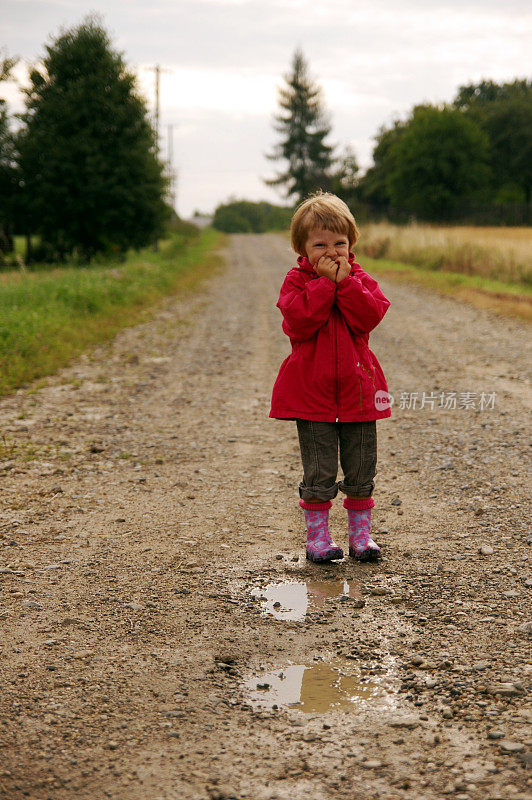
(320, 546)
(361, 545)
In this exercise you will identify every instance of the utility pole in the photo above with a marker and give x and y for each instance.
(172, 173)
(157, 69)
(157, 81)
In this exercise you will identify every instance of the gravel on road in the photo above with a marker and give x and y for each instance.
(163, 634)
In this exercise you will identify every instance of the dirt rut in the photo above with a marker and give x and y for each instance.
(147, 505)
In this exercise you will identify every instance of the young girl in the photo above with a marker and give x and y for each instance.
(331, 383)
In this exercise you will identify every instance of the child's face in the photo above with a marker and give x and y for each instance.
(321, 242)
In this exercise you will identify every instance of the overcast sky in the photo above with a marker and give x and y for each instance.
(374, 59)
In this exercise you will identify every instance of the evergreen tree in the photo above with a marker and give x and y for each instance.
(92, 178)
(9, 184)
(303, 127)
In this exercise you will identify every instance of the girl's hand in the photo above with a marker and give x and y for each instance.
(326, 266)
(344, 268)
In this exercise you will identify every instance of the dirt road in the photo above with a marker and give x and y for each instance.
(148, 504)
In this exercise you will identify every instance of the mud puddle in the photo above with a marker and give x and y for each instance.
(293, 600)
(319, 687)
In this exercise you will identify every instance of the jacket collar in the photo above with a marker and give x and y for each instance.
(305, 264)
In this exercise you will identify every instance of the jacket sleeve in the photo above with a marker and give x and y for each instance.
(305, 305)
(361, 302)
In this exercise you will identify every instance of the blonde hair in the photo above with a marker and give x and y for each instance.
(321, 210)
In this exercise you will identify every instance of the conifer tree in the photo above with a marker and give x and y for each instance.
(9, 188)
(303, 126)
(92, 178)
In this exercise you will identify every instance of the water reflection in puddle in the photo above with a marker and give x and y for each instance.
(317, 688)
(291, 601)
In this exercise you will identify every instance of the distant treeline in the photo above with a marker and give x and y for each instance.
(468, 161)
(243, 216)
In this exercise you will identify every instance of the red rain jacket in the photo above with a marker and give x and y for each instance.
(331, 374)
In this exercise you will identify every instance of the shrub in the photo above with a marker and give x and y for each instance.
(244, 216)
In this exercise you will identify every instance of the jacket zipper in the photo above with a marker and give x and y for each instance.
(337, 366)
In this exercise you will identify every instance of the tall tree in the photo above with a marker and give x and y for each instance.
(373, 186)
(439, 160)
(504, 112)
(303, 126)
(9, 185)
(92, 178)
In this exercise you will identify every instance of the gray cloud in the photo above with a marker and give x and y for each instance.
(374, 59)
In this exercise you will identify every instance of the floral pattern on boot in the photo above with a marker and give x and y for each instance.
(361, 545)
(320, 546)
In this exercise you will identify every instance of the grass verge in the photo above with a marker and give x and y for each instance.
(503, 298)
(49, 317)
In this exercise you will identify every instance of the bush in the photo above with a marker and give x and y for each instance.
(243, 216)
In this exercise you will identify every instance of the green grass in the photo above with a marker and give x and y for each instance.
(505, 298)
(49, 317)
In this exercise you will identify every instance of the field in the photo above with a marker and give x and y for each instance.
(497, 253)
(49, 315)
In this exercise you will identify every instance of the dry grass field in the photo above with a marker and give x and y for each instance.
(498, 253)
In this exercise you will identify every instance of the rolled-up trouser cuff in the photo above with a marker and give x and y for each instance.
(359, 505)
(365, 490)
(322, 493)
(307, 506)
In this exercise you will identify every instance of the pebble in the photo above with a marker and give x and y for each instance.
(32, 604)
(396, 501)
(379, 591)
(134, 606)
(511, 747)
(372, 763)
(486, 550)
(408, 721)
(526, 627)
(358, 603)
(495, 734)
(82, 654)
(504, 689)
